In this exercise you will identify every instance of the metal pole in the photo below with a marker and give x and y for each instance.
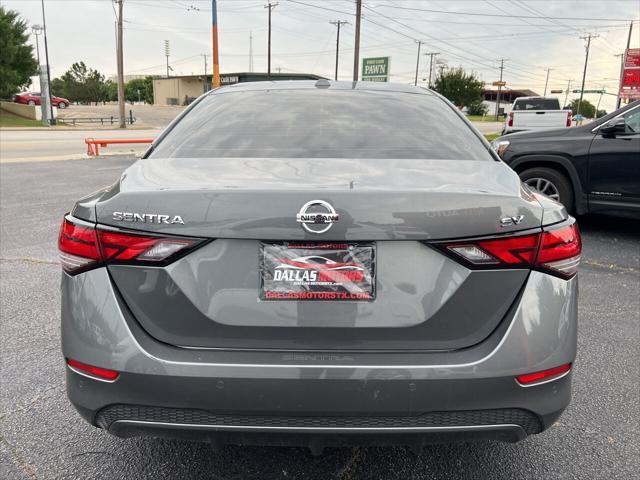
(624, 59)
(215, 81)
(566, 97)
(584, 72)
(121, 98)
(251, 51)
(52, 120)
(356, 55)
(431, 55)
(204, 81)
(338, 23)
(269, 6)
(546, 82)
(499, 89)
(415, 80)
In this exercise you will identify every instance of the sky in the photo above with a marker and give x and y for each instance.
(531, 35)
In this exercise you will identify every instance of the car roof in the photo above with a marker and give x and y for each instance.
(321, 84)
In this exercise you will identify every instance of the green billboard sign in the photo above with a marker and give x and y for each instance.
(375, 69)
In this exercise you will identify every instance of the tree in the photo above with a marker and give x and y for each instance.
(461, 88)
(587, 109)
(143, 86)
(112, 91)
(477, 108)
(81, 84)
(17, 63)
(600, 113)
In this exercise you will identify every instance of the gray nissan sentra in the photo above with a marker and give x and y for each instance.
(319, 263)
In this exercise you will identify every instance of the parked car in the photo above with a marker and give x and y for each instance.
(536, 113)
(592, 168)
(299, 262)
(33, 98)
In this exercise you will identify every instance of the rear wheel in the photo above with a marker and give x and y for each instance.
(551, 183)
(31, 102)
(62, 105)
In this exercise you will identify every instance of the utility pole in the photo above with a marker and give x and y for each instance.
(624, 59)
(431, 55)
(269, 6)
(356, 53)
(251, 51)
(167, 51)
(121, 98)
(52, 121)
(204, 79)
(584, 73)
(566, 97)
(546, 82)
(415, 81)
(215, 79)
(338, 23)
(499, 89)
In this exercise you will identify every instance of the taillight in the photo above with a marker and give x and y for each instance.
(555, 251)
(510, 120)
(78, 245)
(82, 246)
(569, 118)
(560, 250)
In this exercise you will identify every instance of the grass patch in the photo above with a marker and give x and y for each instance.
(486, 118)
(492, 136)
(10, 120)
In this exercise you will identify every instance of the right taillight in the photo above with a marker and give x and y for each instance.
(555, 251)
(510, 119)
(568, 118)
(560, 250)
(83, 246)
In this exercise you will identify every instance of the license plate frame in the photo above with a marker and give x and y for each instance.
(317, 271)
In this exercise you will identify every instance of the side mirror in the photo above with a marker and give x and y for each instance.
(613, 127)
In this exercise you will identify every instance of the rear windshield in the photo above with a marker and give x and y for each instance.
(537, 104)
(317, 123)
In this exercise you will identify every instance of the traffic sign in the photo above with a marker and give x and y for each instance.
(591, 91)
(500, 83)
(375, 69)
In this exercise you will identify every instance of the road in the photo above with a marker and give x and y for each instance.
(42, 437)
(33, 145)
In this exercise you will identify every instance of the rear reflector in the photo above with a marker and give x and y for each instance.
(100, 373)
(555, 251)
(82, 246)
(536, 377)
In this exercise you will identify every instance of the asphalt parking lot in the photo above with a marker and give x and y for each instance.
(42, 437)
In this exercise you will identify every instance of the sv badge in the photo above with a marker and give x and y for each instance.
(509, 221)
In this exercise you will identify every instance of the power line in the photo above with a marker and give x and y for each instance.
(445, 12)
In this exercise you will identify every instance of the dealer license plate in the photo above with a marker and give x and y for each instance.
(317, 271)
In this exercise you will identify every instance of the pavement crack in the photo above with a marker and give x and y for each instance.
(349, 471)
(21, 462)
(610, 266)
(30, 260)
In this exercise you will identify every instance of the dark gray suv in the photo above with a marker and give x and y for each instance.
(319, 263)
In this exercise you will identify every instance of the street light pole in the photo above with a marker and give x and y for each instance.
(52, 121)
(121, 97)
(215, 81)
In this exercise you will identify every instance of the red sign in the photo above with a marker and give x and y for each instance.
(630, 85)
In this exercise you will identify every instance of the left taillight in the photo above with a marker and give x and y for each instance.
(83, 246)
(556, 251)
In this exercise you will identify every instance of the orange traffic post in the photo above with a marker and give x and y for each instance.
(92, 144)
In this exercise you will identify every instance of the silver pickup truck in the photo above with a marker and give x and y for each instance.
(536, 113)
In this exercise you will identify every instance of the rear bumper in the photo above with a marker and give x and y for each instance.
(331, 398)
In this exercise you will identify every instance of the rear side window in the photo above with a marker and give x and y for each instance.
(537, 104)
(322, 124)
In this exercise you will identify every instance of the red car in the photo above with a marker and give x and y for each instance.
(33, 98)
